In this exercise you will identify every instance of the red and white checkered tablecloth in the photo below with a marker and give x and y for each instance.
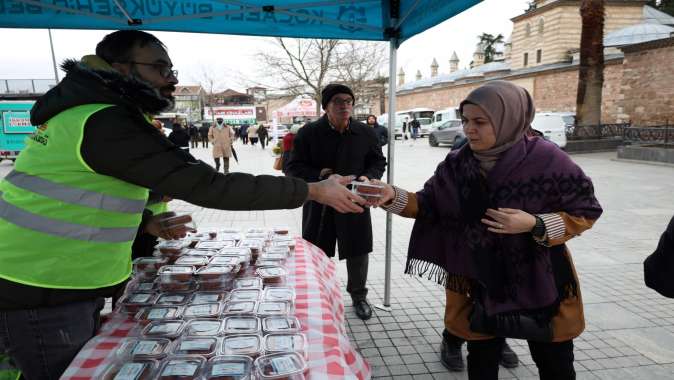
(318, 306)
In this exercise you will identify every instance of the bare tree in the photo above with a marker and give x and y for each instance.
(591, 70)
(211, 83)
(305, 66)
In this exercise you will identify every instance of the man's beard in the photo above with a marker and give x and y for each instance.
(134, 74)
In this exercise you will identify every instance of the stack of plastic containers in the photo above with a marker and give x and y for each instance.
(213, 306)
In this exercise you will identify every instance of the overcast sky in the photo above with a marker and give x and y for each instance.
(25, 52)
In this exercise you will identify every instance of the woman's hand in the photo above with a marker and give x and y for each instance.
(387, 193)
(509, 221)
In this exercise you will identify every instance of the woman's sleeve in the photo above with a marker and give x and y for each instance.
(561, 227)
(404, 204)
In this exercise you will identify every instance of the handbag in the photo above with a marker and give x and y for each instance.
(278, 163)
(517, 327)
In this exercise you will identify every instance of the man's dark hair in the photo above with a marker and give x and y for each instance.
(117, 46)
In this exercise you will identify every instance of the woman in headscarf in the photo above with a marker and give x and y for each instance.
(491, 225)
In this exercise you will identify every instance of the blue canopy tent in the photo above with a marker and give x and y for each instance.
(376, 20)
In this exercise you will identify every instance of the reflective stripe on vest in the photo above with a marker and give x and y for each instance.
(74, 195)
(38, 223)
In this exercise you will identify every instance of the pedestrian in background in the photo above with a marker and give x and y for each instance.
(222, 136)
(252, 134)
(194, 136)
(243, 131)
(263, 135)
(203, 133)
(379, 130)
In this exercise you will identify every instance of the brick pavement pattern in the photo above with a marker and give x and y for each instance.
(630, 328)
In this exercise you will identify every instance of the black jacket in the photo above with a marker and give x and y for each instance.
(180, 137)
(659, 266)
(355, 152)
(119, 142)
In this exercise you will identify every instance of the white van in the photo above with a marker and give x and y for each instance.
(553, 125)
(442, 116)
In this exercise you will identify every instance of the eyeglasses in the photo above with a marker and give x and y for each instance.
(164, 70)
(339, 102)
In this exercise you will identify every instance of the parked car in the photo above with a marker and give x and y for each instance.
(440, 117)
(553, 125)
(448, 132)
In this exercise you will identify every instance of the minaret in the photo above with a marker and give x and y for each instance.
(434, 68)
(401, 77)
(418, 76)
(454, 63)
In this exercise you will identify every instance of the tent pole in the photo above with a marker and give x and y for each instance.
(393, 53)
(53, 58)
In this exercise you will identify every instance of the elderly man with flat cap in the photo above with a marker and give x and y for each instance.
(338, 144)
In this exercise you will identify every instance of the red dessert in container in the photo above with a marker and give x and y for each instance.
(241, 324)
(143, 348)
(281, 324)
(164, 329)
(203, 327)
(186, 367)
(203, 346)
(248, 344)
(229, 367)
(282, 366)
(137, 369)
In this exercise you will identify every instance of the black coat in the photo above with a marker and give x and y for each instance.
(382, 133)
(659, 266)
(179, 136)
(355, 152)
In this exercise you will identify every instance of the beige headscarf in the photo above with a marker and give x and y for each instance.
(510, 109)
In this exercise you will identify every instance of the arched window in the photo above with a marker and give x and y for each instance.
(527, 30)
(541, 26)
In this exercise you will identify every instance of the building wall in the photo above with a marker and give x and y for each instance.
(561, 30)
(647, 89)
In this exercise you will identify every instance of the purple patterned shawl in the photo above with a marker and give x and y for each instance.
(513, 273)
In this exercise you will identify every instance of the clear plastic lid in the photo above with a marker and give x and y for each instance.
(216, 272)
(241, 325)
(248, 344)
(135, 369)
(271, 308)
(272, 274)
(240, 307)
(172, 246)
(245, 295)
(278, 249)
(198, 252)
(178, 286)
(294, 342)
(158, 313)
(230, 230)
(248, 283)
(229, 367)
(231, 260)
(175, 273)
(193, 260)
(269, 263)
(203, 310)
(281, 324)
(280, 366)
(254, 245)
(185, 367)
(290, 243)
(134, 301)
(208, 297)
(279, 293)
(256, 235)
(204, 346)
(257, 230)
(234, 251)
(215, 244)
(177, 299)
(203, 327)
(164, 329)
(221, 284)
(142, 285)
(143, 348)
(149, 263)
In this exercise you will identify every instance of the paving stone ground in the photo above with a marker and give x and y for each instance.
(630, 329)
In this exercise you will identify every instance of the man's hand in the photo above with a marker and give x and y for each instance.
(509, 221)
(176, 230)
(332, 192)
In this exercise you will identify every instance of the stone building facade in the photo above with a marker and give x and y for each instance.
(638, 77)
